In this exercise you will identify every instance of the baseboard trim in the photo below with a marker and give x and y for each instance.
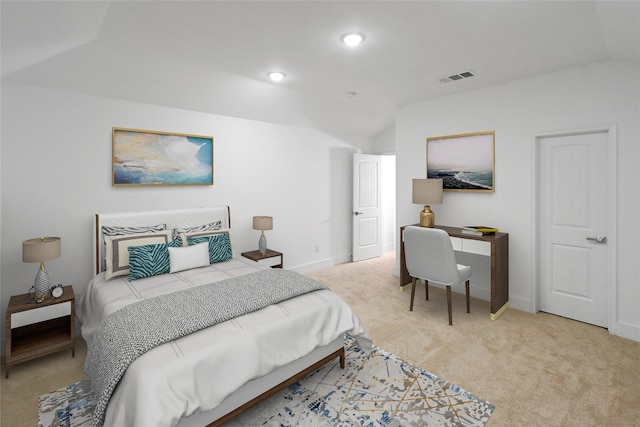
(328, 262)
(498, 313)
(626, 330)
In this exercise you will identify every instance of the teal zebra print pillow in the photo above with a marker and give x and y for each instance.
(219, 246)
(149, 260)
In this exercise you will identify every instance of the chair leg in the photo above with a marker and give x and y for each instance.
(426, 289)
(413, 292)
(449, 304)
(466, 285)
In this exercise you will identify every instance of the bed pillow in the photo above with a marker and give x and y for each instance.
(185, 236)
(212, 226)
(219, 246)
(149, 260)
(185, 258)
(115, 230)
(117, 252)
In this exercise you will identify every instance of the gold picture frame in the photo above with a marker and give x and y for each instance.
(154, 158)
(465, 162)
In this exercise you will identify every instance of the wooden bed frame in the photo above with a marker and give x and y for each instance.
(212, 417)
(256, 390)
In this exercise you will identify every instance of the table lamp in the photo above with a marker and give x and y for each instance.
(262, 223)
(40, 250)
(426, 192)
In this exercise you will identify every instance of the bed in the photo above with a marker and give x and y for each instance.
(213, 373)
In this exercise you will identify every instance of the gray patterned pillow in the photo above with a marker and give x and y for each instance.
(219, 246)
(115, 230)
(212, 226)
(149, 260)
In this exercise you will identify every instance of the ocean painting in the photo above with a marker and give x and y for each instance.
(143, 157)
(463, 162)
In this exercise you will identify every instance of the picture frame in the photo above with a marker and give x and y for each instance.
(154, 158)
(465, 162)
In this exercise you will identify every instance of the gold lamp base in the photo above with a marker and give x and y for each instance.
(427, 217)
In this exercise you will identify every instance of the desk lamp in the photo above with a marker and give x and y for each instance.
(426, 192)
(40, 250)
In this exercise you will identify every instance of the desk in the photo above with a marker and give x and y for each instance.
(499, 253)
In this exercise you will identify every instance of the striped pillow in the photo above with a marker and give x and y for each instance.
(212, 226)
(117, 252)
(149, 260)
(219, 246)
(115, 230)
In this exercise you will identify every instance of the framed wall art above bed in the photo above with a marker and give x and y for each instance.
(464, 162)
(145, 157)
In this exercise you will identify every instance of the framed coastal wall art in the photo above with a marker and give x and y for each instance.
(145, 157)
(464, 162)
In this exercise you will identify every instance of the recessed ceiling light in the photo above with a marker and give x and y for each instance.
(352, 39)
(276, 76)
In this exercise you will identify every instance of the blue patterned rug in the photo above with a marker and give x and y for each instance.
(379, 390)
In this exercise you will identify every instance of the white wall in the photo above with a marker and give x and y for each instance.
(56, 174)
(385, 145)
(600, 93)
(388, 202)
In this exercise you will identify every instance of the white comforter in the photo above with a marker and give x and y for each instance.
(197, 372)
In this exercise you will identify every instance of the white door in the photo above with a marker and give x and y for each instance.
(573, 209)
(367, 209)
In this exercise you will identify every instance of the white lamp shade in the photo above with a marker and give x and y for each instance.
(262, 223)
(427, 191)
(41, 249)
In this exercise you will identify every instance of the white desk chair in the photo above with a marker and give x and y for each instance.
(429, 256)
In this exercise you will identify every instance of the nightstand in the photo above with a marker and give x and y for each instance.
(37, 329)
(271, 258)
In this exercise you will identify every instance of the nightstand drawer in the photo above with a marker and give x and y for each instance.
(270, 262)
(40, 314)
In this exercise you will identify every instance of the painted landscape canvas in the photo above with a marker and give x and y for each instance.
(463, 162)
(157, 158)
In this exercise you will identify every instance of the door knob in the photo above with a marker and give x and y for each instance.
(357, 213)
(598, 239)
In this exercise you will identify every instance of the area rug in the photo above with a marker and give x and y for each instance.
(375, 390)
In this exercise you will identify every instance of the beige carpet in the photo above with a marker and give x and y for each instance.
(538, 369)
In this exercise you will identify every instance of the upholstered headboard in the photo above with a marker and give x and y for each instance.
(175, 218)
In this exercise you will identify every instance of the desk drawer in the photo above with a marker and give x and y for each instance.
(471, 246)
(456, 242)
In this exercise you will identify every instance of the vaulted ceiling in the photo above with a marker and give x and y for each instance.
(213, 56)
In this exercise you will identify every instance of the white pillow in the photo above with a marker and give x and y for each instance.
(188, 257)
(117, 253)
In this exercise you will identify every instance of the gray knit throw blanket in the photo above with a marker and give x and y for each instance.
(137, 328)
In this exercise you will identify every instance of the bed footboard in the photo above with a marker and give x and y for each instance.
(243, 408)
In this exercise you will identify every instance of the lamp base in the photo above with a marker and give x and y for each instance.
(262, 244)
(41, 284)
(427, 217)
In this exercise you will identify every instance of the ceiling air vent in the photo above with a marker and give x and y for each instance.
(455, 77)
